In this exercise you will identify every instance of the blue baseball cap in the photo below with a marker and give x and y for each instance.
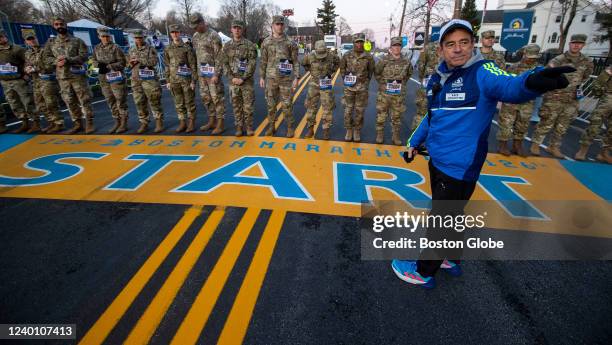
(455, 24)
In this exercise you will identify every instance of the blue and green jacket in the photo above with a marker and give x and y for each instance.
(461, 105)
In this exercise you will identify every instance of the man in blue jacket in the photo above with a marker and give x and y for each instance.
(462, 97)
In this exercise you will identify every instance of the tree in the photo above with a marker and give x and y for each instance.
(161, 24)
(423, 13)
(469, 13)
(186, 8)
(20, 11)
(326, 17)
(568, 12)
(256, 14)
(605, 25)
(112, 13)
(342, 27)
(59, 8)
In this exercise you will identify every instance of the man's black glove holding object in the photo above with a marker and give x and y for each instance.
(102, 68)
(408, 158)
(548, 79)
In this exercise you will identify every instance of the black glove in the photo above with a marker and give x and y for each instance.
(419, 150)
(102, 68)
(548, 79)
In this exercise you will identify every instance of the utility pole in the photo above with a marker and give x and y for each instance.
(457, 11)
(390, 29)
(401, 28)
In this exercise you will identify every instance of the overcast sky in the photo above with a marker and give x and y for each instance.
(372, 14)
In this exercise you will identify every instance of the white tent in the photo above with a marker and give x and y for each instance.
(86, 23)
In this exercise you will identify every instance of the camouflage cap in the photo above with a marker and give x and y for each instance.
(578, 38)
(195, 19)
(28, 34)
(237, 23)
(320, 49)
(488, 34)
(532, 51)
(103, 31)
(278, 20)
(359, 37)
(396, 41)
(174, 28)
(138, 33)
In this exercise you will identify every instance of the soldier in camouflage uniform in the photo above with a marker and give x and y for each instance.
(560, 107)
(146, 88)
(322, 65)
(181, 75)
(110, 61)
(426, 65)
(356, 69)
(207, 46)
(487, 41)
(602, 90)
(392, 73)
(46, 89)
(280, 72)
(238, 60)
(16, 90)
(69, 54)
(514, 118)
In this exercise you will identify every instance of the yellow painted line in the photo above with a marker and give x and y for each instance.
(239, 318)
(302, 125)
(320, 112)
(303, 81)
(148, 322)
(196, 318)
(111, 316)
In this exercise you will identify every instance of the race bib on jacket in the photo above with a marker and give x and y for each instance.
(393, 88)
(114, 77)
(207, 71)
(146, 74)
(242, 65)
(9, 70)
(78, 69)
(183, 72)
(50, 76)
(350, 80)
(285, 67)
(325, 83)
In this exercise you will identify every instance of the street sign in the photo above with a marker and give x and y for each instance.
(435, 33)
(419, 38)
(404, 41)
(516, 29)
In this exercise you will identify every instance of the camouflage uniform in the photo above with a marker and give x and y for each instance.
(16, 90)
(392, 76)
(497, 57)
(601, 89)
(361, 66)
(110, 61)
(207, 47)
(46, 89)
(426, 65)
(72, 77)
(277, 51)
(514, 118)
(175, 56)
(145, 82)
(322, 65)
(560, 107)
(239, 59)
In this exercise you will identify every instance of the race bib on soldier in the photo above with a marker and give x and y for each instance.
(50, 76)
(579, 93)
(146, 74)
(393, 88)
(350, 80)
(114, 77)
(183, 72)
(325, 83)
(242, 65)
(78, 69)
(8, 70)
(285, 67)
(207, 71)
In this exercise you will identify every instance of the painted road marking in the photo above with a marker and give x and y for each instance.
(200, 310)
(148, 322)
(115, 311)
(300, 128)
(239, 318)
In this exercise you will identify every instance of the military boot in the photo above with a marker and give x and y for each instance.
(517, 148)
(181, 127)
(115, 126)
(143, 128)
(56, 127)
(349, 134)
(271, 129)
(502, 147)
(556, 152)
(209, 125)
(249, 131)
(77, 126)
(605, 156)
(325, 133)
(396, 137)
(581, 154)
(122, 125)
(239, 131)
(290, 132)
(535, 149)
(219, 128)
(35, 127)
(356, 135)
(89, 126)
(24, 127)
(3, 128)
(47, 127)
(159, 125)
(310, 132)
(380, 136)
(190, 125)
